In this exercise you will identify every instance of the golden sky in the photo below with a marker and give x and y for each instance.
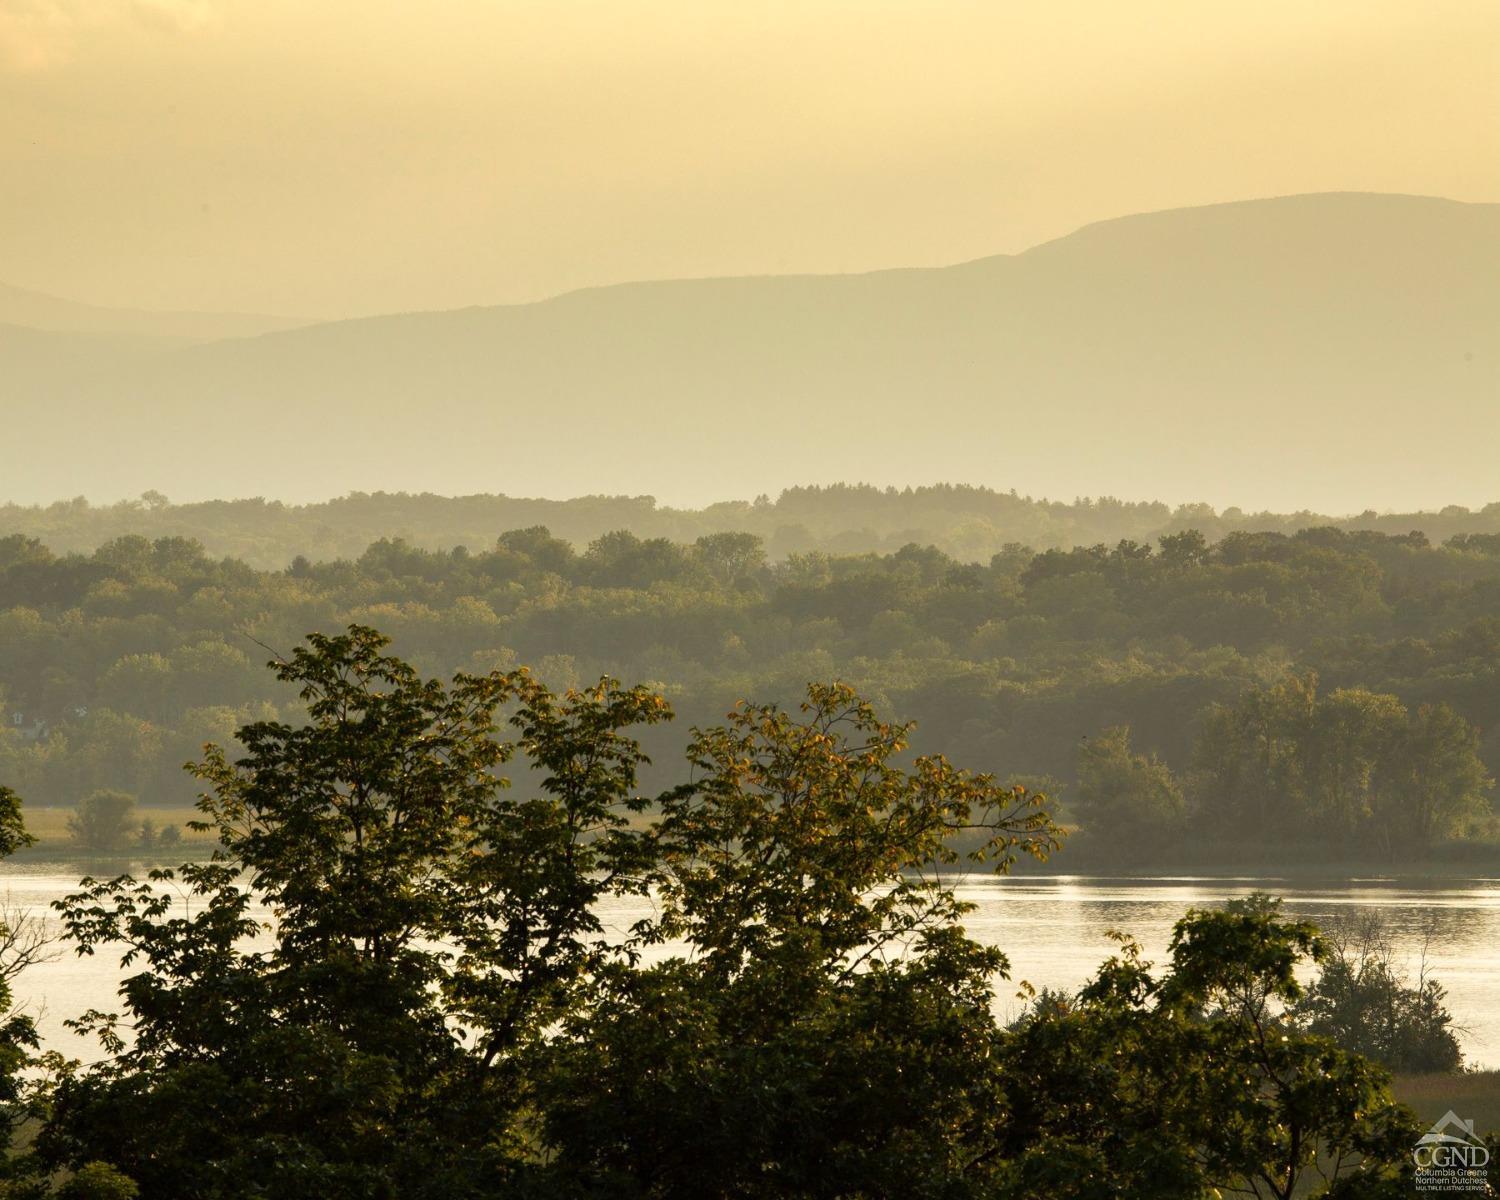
(328, 157)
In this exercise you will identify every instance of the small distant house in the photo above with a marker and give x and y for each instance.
(30, 731)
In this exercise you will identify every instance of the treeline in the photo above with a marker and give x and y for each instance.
(440, 1010)
(968, 523)
(118, 664)
(1352, 772)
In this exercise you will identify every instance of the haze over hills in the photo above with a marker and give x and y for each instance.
(36, 310)
(971, 524)
(1329, 352)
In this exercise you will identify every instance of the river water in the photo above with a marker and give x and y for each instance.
(1054, 929)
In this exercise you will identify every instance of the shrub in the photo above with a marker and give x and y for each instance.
(1364, 1001)
(103, 821)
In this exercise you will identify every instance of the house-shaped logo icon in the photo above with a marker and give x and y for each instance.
(1451, 1130)
(1451, 1156)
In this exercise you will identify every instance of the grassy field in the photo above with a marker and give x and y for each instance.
(50, 827)
(1473, 1096)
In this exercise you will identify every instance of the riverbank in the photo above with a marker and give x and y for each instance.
(1473, 1095)
(55, 842)
(1353, 870)
(1081, 855)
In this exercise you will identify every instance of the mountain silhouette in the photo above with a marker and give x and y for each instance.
(35, 310)
(1329, 351)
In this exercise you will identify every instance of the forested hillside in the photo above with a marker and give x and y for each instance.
(1377, 653)
(969, 523)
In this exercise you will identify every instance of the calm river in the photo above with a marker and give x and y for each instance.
(1053, 928)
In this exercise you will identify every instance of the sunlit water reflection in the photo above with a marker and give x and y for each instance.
(1054, 929)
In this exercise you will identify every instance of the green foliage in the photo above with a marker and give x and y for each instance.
(98, 1181)
(971, 523)
(13, 835)
(24, 1074)
(434, 935)
(829, 1030)
(1352, 764)
(438, 1009)
(1129, 800)
(429, 928)
(121, 663)
(103, 821)
(1363, 1001)
(809, 828)
(1191, 1083)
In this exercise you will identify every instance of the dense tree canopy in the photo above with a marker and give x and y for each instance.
(1130, 799)
(970, 523)
(1352, 765)
(121, 663)
(392, 979)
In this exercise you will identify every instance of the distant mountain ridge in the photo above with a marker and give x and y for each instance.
(1328, 352)
(969, 523)
(36, 310)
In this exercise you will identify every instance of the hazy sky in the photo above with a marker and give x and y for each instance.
(328, 157)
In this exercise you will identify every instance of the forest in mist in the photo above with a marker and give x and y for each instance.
(1174, 689)
(970, 524)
